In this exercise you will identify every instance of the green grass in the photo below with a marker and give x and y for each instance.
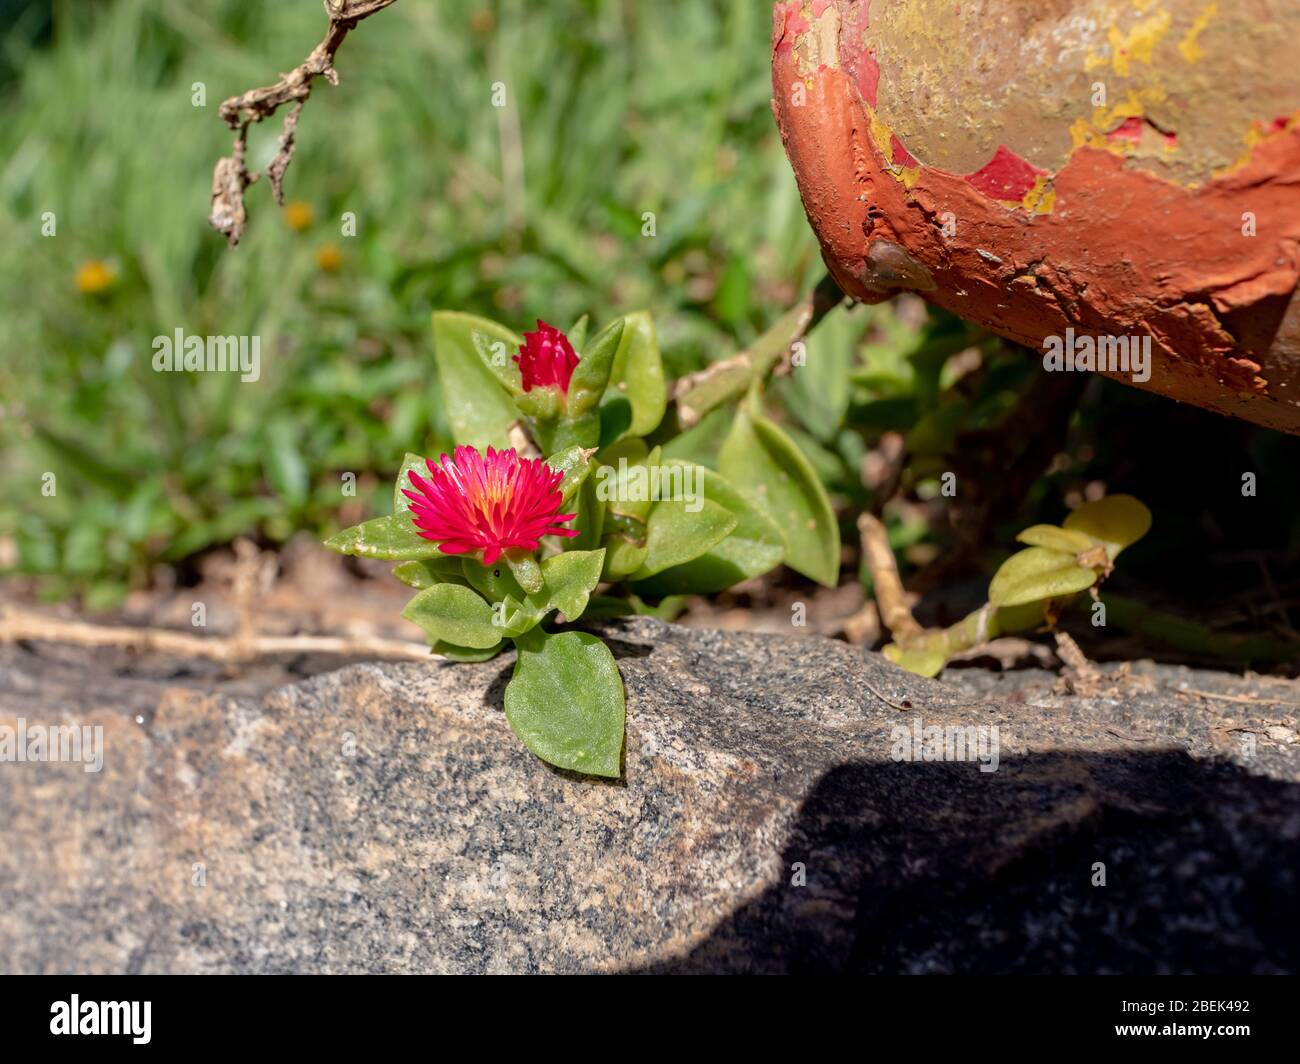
(536, 210)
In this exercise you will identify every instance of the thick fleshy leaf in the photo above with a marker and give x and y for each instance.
(476, 392)
(638, 373)
(494, 582)
(444, 569)
(517, 617)
(920, 662)
(388, 538)
(624, 555)
(590, 521)
(570, 579)
(577, 333)
(762, 461)
(575, 463)
(679, 531)
(1117, 520)
(454, 614)
(817, 391)
(753, 547)
(591, 376)
(566, 703)
(1054, 538)
(622, 477)
(1038, 573)
(466, 654)
(615, 419)
(401, 504)
(524, 568)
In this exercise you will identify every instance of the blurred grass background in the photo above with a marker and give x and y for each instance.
(614, 108)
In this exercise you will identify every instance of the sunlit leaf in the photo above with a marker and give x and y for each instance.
(454, 614)
(1117, 520)
(566, 703)
(1054, 538)
(762, 461)
(1038, 573)
(638, 373)
(476, 399)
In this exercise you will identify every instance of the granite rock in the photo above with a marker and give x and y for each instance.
(382, 818)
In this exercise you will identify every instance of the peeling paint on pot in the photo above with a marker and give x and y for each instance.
(1119, 168)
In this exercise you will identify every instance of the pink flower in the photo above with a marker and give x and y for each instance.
(501, 502)
(546, 359)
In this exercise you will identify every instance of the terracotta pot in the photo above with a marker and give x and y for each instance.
(1129, 171)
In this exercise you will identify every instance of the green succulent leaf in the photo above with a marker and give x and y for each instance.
(566, 429)
(494, 582)
(517, 617)
(1054, 538)
(444, 569)
(591, 376)
(466, 654)
(393, 539)
(454, 614)
(575, 464)
(817, 391)
(1118, 521)
(677, 533)
(566, 703)
(1038, 573)
(570, 579)
(638, 373)
(590, 521)
(754, 546)
(476, 389)
(623, 480)
(401, 504)
(623, 557)
(524, 568)
(615, 419)
(577, 333)
(919, 661)
(764, 462)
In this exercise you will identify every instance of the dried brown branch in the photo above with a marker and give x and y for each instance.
(18, 625)
(698, 393)
(231, 175)
(890, 596)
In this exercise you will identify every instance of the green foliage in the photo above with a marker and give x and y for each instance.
(1034, 585)
(615, 111)
(650, 527)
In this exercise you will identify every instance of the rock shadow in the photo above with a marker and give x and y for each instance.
(915, 867)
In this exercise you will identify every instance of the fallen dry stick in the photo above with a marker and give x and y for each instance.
(890, 596)
(18, 625)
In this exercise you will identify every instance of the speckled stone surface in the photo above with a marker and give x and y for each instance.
(382, 818)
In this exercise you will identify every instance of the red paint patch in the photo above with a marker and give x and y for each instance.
(1006, 176)
(898, 154)
(819, 6)
(792, 23)
(1130, 129)
(868, 77)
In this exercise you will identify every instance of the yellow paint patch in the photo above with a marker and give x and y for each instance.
(1137, 45)
(1041, 199)
(1254, 136)
(1092, 132)
(1189, 45)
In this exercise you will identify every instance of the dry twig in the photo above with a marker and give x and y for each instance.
(232, 176)
(18, 625)
(890, 596)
